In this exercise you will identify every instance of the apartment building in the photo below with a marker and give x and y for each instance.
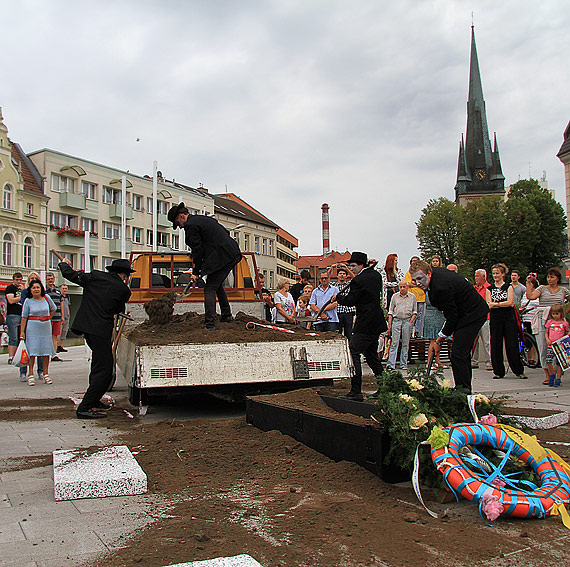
(23, 211)
(86, 196)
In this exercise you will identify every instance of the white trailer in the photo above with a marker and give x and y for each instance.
(230, 368)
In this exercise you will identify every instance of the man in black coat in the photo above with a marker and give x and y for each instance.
(364, 293)
(214, 255)
(104, 296)
(465, 313)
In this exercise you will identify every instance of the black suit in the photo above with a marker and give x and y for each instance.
(365, 294)
(465, 312)
(104, 295)
(214, 254)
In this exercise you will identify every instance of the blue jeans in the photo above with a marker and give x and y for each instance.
(403, 328)
(13, 322)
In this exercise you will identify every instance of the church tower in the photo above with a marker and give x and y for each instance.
(479, 170)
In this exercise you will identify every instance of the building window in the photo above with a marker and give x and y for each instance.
(29, 209)
(7, 196)
(137, 202)
(264, 247)
(161, 206)
(111, 196)
(271, 280)
(28, 246)
(175, 241)
(89, 190)
(88, 225)
(106, 261)
(256, 245)
(111, 231)
(91, 262)
(271, 248)
(246, 242)
(62, 220)
(137, 235)
(7, 250)
(162, 238)
(54, 260)
(149, 237)
(61, 184)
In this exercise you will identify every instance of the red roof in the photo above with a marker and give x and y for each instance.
(32, 177)
(306, 262)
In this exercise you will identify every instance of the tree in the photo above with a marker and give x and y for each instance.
(438, 228)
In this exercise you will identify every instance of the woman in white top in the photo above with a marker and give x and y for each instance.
(284, 303)
(547, 295)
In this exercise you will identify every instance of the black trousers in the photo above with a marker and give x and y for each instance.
(463, 341)
(505, 329)
(101, 370)
(367, 345)
(345, 322)
(215, 287)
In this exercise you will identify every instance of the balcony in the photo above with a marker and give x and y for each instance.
(115, 246)
(72, 201)
(67, 239)
(115, 211)
(162, 221)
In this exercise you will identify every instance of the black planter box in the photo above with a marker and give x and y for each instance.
(338, 440)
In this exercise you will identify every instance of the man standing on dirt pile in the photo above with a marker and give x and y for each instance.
(214, 255)
(104, 296)
(465, 313)
(364, 293)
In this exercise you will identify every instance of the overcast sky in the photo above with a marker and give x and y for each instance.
(292, 103)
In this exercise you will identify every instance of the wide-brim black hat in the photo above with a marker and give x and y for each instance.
(173, 213)
(121, 265)
(358, 258)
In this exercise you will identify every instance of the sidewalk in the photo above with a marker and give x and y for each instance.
(37, 531)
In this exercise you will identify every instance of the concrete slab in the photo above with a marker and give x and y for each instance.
(11, 532)
(235, 561)
(111, 471)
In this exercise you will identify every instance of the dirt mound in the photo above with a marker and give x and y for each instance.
(160, 309)
(189, 328)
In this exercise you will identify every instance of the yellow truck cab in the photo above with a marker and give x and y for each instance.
(156, 273)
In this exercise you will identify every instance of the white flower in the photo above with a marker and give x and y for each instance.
(415, 385)
(482, 398)
(446, 384)
(406, 397)
(418, 421)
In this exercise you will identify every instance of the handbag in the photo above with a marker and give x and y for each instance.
(21, 358)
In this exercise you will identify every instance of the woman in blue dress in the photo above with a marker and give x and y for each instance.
(35, 328)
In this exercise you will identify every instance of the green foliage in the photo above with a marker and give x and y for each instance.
(402, 405)
(527, 232)
(438, 228)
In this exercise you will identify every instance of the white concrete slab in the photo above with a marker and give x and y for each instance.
(546, 422)
(110, 471)
(235, 561)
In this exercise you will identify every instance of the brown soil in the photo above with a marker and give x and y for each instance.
(189, 328)
(160, 309)
(36, 410)
(25, 463)
(236, 489)
(529, 412)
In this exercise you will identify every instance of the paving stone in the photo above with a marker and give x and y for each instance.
(10, 532)
(111, 471)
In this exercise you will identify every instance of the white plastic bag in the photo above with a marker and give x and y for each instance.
(21, 358)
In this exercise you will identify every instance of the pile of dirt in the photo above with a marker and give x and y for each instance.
(189, 328)
(160, 309)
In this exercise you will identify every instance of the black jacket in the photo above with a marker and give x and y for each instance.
(365, 293)
(457, 298)
(211, 244)
(104, 295)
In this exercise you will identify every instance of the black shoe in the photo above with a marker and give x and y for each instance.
(354, 396)
(56, 359)
(101, 405)
(89, 414)
(61, 349)
(226, 319)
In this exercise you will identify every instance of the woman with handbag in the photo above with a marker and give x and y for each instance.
(35, 328)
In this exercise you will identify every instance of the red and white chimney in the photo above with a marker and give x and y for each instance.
(326, 241)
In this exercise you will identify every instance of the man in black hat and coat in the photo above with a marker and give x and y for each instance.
(214, 255)
(364, 293)
(104, 296)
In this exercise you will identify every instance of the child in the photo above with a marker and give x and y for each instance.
(556, 328)
(302, 310)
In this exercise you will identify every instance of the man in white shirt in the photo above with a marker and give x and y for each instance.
(401, 316)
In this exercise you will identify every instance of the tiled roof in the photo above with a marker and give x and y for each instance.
(32, 179)
(232, 208)
(305, 262)
(565, 147)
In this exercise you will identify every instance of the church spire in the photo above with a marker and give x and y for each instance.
(479, 169)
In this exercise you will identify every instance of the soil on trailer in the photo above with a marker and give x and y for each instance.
(189, 328)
